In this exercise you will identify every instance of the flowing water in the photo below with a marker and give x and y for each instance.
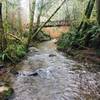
(47, 74)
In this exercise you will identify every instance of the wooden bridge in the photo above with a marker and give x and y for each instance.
(56, 23)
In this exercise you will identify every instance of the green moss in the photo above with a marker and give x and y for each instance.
(8, 93)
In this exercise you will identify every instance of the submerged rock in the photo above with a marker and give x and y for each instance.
(27, 73)
(33, 49)
(52, 55)
(42, 72)
(1, 66)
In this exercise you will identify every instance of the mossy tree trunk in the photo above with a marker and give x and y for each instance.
(6, 17)
(39, 15)
(88, 13)
(32, 7)
(84, 24)
(19, 19)
(3, 43)
(98, 11)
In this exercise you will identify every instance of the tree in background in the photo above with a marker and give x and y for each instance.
(87, 15)
(32, 7)
(3, 43)
(19, 19)
(98, 11)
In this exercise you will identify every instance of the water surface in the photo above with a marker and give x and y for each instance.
(58, 78)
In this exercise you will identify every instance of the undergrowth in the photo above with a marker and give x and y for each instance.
(89, 38)
(13, 53)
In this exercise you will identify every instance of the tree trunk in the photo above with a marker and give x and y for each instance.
(88, 13)
(37, 13)
(6, 17)
(3, 42)
(98, 11)
(20, 28)
(40, 28)
(31, 22)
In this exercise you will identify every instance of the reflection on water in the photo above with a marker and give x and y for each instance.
(58, 78)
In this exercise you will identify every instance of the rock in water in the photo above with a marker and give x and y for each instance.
(5, 92)
(44, 73)
(33, 49)
(52, 55)
(27, 73)
(1, 66)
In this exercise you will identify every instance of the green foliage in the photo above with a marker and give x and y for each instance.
(94, 33)
(8, 93)
(13, 52)
(3, 56)
(72, 39)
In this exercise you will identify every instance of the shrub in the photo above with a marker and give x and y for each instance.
(13, 52)
(90, 37)
(70, 39)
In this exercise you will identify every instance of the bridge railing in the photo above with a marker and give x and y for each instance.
(56, 23)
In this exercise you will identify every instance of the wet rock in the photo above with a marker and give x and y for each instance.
(33, 74)
(14, 72)
(43, 73)
(27, 73)
(5, 91)
(1, 66)
(33, 49)
(52, 55)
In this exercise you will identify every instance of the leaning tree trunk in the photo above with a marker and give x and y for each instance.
(6, 16)
(20, 29)
(37, 13)
(32, 7)
(88, 13)
(98, 11)
(3, 42)
(40, 28)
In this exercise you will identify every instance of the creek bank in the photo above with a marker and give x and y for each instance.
(88, 55)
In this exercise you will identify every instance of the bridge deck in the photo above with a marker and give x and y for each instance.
(56, 23)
